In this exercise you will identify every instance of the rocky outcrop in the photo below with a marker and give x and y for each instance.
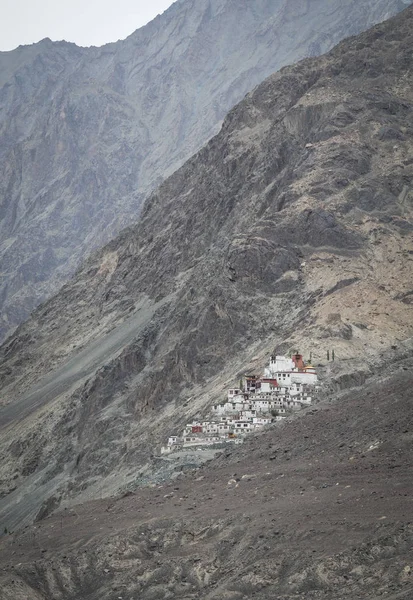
(257, 242)
(87, 133)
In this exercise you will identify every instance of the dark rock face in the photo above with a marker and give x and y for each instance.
(86, 134)
(256, 243)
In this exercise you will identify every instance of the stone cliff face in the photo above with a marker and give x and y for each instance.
(85, 134)
(290, 228)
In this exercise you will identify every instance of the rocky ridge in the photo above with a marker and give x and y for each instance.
(291, 228)
(87, 133)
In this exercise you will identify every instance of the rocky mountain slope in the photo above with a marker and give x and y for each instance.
(291, 228)
(317, 508)
(86, 133)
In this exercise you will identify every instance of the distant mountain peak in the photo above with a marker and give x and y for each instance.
(87, 133)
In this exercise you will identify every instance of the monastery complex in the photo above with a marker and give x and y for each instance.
(286, 385)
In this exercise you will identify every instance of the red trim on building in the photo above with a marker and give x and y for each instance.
(270, 380)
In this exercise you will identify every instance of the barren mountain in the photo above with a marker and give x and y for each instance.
(86, 133)
(316, 508)
(292, 228)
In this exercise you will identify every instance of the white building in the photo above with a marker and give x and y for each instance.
(307, 376)
(261, 405)
(210, 427)
(234, 392)
(290, 370)
(224, 428)
(278, 364)
(191, 441)
(247, 415)
(261, 421)
(242, 427)
(173, 440)
(230, 407)
(268, 385)
(287, 384)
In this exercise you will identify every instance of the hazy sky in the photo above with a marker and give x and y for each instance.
(85, 22)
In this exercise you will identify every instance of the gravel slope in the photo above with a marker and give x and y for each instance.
(319, 507)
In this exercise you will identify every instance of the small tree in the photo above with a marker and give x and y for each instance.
(328, 354)
(332, 355)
